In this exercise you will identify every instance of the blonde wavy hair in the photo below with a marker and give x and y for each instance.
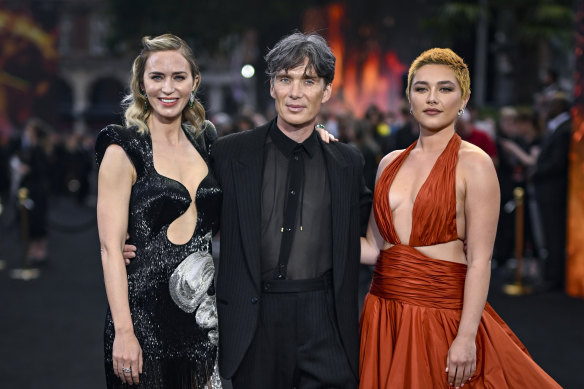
(438, 56)
(136, 110)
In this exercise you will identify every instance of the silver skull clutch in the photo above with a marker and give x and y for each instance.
(188, 287)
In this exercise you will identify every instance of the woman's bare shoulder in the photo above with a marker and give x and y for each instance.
(389, 158)
(116, 164)
(385, 161)
(473, 157)
(477, 167)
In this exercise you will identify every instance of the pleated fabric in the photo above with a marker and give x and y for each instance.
(411, 315)
(434, 212)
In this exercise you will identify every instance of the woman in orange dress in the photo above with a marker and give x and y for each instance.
(425, 322)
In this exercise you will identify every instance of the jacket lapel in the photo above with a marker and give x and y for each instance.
(340, 178)
(247, 174)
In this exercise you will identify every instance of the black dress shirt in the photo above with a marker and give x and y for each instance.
(310, 252)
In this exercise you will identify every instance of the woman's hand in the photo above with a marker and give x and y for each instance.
(127, 358)
(324, 134)
(461, 362)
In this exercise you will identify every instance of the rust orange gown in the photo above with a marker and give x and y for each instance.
(410, 316)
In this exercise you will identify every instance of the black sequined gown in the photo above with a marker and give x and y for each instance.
(177, 351)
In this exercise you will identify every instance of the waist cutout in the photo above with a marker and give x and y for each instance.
(403, 273)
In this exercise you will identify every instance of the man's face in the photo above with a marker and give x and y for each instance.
(298, 94)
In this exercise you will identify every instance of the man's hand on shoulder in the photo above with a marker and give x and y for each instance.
(324, 134)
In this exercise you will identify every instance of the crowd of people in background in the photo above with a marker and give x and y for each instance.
(37, 165)
(529, 146)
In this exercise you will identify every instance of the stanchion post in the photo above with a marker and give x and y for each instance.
(517, 288)
(25, 273)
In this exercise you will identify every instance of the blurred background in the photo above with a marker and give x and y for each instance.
(64, 69)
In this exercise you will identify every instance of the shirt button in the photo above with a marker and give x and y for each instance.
(280, 276)
(292, 192)
(254, 300)
(296, 157)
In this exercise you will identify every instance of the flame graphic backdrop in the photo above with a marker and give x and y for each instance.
(28, 63)
(364, 75)
(575, 258)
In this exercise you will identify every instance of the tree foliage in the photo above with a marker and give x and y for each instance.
(528, 19)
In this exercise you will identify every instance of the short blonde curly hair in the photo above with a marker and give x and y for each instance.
(438, 56)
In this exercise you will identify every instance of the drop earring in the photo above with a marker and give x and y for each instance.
(145, 101)
(192, 99)
(461, 112)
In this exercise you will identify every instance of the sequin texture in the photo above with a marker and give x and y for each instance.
(179, 349)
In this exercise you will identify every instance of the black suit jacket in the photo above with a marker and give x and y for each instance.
(238, 164)
(551, 173)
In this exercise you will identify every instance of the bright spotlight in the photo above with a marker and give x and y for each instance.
(247, 71)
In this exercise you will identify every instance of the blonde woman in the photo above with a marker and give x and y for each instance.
(424, 322)
(156, 183)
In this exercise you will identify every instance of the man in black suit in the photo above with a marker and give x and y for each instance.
(294, 208)
(551, 188)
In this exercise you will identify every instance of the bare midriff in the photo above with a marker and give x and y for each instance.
(449, 251)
